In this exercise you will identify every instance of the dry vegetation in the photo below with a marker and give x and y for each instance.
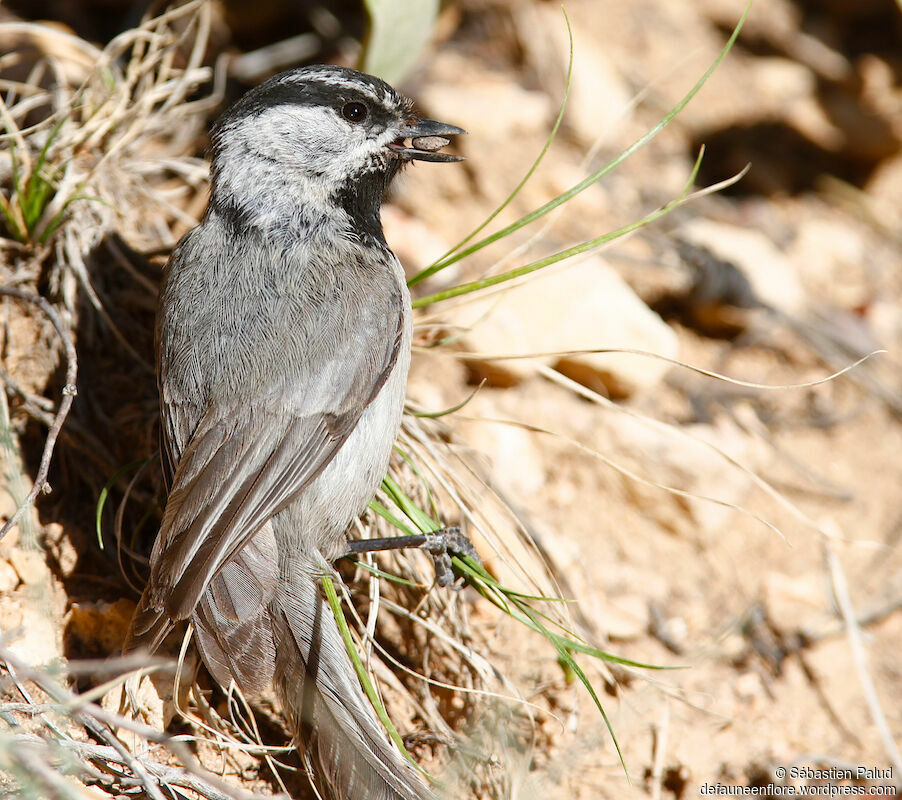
(749, 534)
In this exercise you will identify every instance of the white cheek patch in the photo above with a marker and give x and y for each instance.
(312, 139)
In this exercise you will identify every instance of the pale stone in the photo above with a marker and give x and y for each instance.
(583, 307)
(885, 318)
(624, 617)
(35, 635)
(30, 566)
(151, 700)
(9, 578)
(749, 688)
(771, 273)
(137, 700)
(832, 256)
(688, 460)
(517, 464)
(599, 98)
(798, 602)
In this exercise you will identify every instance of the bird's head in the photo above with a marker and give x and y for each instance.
(329, 134)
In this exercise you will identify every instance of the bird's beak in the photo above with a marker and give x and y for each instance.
(426, 137)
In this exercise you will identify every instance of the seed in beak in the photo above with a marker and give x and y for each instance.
(429, 143)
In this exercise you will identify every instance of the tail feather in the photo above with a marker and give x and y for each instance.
(343, 741)
(232, 622)
(244, 651)
(149, 627)
(257, 628)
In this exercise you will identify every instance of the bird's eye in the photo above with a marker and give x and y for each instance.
(354, 112)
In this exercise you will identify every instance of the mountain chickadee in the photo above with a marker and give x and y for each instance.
(283, 345)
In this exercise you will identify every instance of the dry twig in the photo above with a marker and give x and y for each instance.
(68, 394)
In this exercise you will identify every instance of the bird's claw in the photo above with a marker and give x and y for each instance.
(441, 544)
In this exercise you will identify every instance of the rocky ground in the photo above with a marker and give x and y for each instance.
(745, 531)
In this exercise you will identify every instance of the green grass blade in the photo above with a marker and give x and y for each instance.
(607, 168)
(567, 659)
(414, 513)
(12, 224)
(61, 214)
(42, 157)
(441, 263)
(383, 512)
(105, 493)
(515, 604)
(37, 195)
(39, 188)
(423, 482)
(365, 682)
(491, 589)
(584, 247)
(447, 411)
(386, 575)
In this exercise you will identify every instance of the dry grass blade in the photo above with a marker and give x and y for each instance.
(55, 742)
(856, 645)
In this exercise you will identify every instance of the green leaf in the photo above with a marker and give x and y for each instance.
(61, 214)
(39, 189)
(37, 195)
(386, 575)
(399, 30)
(452, 409)
(414, 513)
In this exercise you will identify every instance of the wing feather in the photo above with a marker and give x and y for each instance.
(241, 465)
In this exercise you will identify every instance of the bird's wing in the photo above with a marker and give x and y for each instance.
(244, 463)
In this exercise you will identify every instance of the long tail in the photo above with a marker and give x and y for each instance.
(254, 627)
(344, 744)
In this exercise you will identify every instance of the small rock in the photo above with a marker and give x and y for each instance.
(832, 256)
(517, 464)
(687, 464)
(59, 546)
(625, 617)
(152, 701)
(33, 630)
(9, 578)
(748, 687)
(798, 602)
(11, 615)
(599, 97)
(885, 318)
(98, 630)
(583, 307)
(30, 565)
(770, 272)
(143, 701)
(673, 632)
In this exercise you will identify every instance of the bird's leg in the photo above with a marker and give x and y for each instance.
(439, 544)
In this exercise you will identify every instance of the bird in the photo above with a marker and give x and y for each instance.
(283, 345)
